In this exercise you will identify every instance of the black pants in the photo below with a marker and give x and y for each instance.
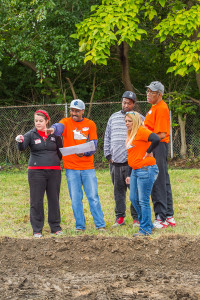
(118, 176)
(39, 182)
(161, 193)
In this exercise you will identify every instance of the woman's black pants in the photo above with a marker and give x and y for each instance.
(42, 180)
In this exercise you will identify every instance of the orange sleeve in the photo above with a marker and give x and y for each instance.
(143, 134)
(64, 122)
(93, 131)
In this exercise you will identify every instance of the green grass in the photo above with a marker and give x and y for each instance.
(14, 206)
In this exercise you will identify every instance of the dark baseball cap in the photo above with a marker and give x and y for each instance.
(129, 95)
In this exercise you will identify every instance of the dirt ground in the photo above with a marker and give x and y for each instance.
(100, 268)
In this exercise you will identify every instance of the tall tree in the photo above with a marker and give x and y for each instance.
(36, 34)
(181, 29)
(114, 23)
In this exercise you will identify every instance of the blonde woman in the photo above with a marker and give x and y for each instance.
(140, 143)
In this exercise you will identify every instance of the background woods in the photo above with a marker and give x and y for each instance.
(54, 51)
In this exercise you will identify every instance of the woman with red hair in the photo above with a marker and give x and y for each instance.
(44, 173)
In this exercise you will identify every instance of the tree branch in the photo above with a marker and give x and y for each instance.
(92, 96)
(72, 88)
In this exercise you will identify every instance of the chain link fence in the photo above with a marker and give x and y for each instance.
(19, 119)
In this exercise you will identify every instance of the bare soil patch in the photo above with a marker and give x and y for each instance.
(100, 268)
(188, 163)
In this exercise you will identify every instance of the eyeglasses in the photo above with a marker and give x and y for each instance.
(151, 93)
(130, 112)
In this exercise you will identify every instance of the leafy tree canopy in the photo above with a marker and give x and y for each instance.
(181, 30)
(113, 22)
(36, 33)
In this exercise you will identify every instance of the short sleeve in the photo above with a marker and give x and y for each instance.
(92, 131)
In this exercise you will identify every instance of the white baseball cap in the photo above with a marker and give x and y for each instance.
(78, 104)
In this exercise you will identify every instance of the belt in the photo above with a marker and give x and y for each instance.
(120, 164)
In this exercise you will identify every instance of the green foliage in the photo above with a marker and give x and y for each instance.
(181, 27)
(112, 23)
(37, 32)
(180, 106)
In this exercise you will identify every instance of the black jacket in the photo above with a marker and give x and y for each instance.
(42, 153)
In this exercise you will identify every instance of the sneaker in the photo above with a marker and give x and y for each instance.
(139, 234)
(120, 221)
(37, 235)
(101, 229)
(158, 224)
(171, 222)
(136, 223)
(59, 232)
(79, 230)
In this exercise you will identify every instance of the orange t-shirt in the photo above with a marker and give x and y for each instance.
(158, 120)
(76, 133)
(138, 149)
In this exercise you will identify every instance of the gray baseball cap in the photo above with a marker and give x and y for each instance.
(156, 86)
(78, 104)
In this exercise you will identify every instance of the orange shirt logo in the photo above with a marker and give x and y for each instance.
(78, 135)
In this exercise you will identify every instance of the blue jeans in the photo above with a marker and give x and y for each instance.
(141, 183)
(86, 178)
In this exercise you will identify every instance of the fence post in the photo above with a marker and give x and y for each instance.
(66, 110)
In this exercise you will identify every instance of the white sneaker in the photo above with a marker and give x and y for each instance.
(171, 222)
(37, 235)
(136, 223)
(159, 224)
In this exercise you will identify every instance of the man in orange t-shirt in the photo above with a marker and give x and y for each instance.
(80, 170)
(158, 121)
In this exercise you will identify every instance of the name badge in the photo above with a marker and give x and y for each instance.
(38, 141)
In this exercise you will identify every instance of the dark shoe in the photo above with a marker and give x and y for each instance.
(119, 222)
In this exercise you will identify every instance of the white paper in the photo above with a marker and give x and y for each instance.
(86, 147)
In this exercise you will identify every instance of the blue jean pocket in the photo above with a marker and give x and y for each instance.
(143, 173)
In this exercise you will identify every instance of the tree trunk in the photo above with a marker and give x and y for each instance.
(182, 123)
(123, 54)
(124, 49)
(198, 81)
(72, 88)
